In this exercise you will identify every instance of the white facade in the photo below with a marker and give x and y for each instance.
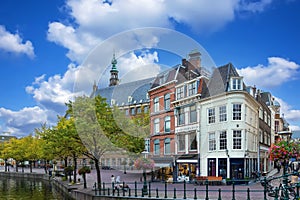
(240, 126)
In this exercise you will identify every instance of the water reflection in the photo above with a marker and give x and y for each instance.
(16, 188)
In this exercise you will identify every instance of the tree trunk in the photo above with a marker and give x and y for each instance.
(5, 165)
(98, 173)
(84, 180)
(30, 166)
(75, 168)
(66, 161)
(17, 166)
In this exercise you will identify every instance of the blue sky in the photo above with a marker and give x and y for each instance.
(43, 45)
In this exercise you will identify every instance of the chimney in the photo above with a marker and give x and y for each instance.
(195, 58)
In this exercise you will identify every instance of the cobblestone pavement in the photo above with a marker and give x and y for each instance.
(256, 189)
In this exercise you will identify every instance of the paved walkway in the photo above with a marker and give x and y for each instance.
(256, 190)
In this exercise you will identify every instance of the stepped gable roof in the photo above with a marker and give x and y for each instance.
(137, 90)
(219, 81)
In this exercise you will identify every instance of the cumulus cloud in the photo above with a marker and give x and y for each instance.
(97, 20)
(277, 72)
(24, 121)
(290, 114)
(13, 43)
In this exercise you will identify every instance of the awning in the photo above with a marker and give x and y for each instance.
(161, 165)
(186, 161)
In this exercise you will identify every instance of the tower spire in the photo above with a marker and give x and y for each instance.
(114, 80)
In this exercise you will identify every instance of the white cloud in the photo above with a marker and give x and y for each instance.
(23, 122)
(277, 72)
(13, 43)
(290, 114)
(96, 21)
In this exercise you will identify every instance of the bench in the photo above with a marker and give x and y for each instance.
(212, 180)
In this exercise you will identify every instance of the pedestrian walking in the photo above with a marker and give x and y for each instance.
(118, 180)
(113, 180)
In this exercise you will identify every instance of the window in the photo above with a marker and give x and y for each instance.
(236, 84)
(156, 104)
(139, 110)
(276, 126)
(167, 146)
(147, 145)
(237, 139)
(261, 113)
(181, 116)
(265, 117)
(132, 111)
(180, 92)
(146, 108)
(167, 124)
(167, 101)
(127, 112)
(129, 99)
(156, 147)
(192, 88)
(211, 115)
(193, 114)
(222, 114)
(223, 140)
(212, 142)
(261, 136)
(156, 125)
(181, 142)
(193, 141)
(237, 112)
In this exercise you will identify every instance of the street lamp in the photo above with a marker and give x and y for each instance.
(145, 187)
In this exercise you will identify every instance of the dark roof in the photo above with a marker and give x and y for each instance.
(219, 81)
(137, 90)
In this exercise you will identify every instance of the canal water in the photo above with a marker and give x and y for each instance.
(27, 189)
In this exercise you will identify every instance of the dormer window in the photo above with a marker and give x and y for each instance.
(129, 99)
(112, 102)
(236, 83)
(192, 88)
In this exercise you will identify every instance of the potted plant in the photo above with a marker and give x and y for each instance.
(83, 171)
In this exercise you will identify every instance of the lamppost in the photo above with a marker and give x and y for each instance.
(145, 187)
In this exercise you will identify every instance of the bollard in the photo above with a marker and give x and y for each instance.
(248, 194)
(166, 191)
(103, 188)
(157, 193)
(220, 196)
(95, 186)
(123, 188)
(149, 190)
(108, 193)
(174, 193)
(184, 190)
(206, 190)
(233, 191)
(135, 189)
(195, 193)
(118, 192)
(129, 192)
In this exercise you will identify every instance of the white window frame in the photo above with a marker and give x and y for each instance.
(156, 104)
(212, 141)
(237, 139)
(236, 113)
(236, 83)
(211, 113)
(223, 113)
(156, 126)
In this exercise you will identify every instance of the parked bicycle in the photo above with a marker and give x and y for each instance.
(282, 191)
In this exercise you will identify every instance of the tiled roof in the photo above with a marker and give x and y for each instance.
(219, 81)
(120, 93)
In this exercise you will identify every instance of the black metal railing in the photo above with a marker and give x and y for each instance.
(184, 190)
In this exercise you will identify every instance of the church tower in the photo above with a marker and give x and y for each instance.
(114, 80)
